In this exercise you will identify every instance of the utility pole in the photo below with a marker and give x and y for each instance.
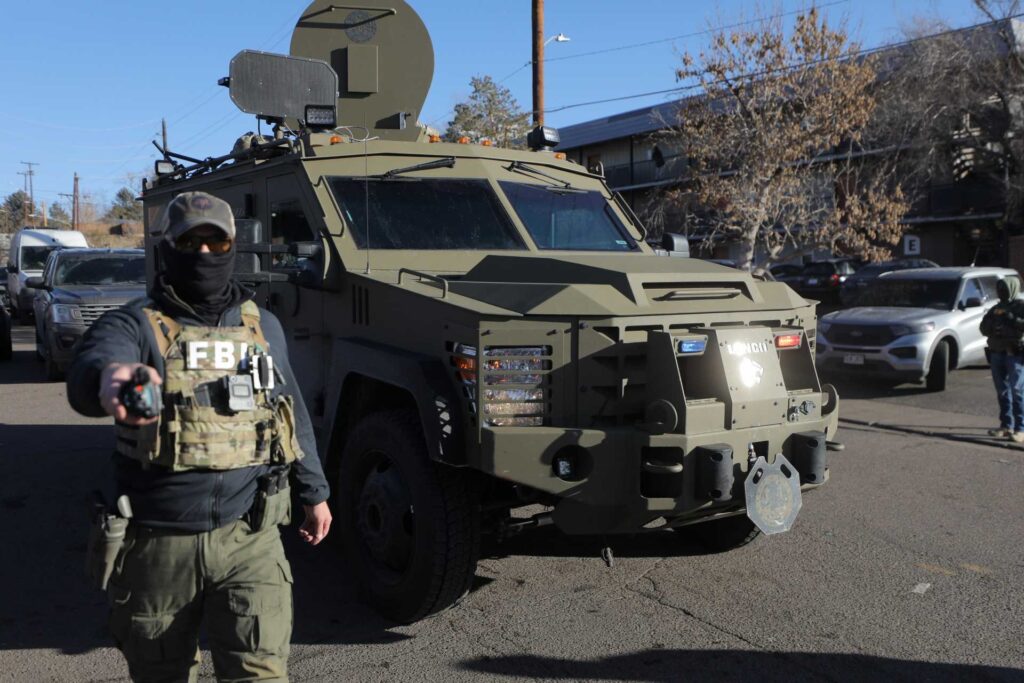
(76, 212)
(163, 132)
(42, 205)
(26, 205)
(31, 190)
(538, 62)
(70, 196)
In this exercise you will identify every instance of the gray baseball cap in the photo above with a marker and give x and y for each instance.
(191, 209)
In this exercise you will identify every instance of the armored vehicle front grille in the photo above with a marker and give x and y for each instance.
(860, 335)
(92, 312)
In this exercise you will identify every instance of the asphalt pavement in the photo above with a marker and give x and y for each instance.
(906, 566)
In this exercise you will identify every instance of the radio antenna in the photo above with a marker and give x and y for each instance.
(366, 191)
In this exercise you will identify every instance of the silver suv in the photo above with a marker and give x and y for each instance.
(912, 325)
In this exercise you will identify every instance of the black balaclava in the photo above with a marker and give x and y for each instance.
(200, 281)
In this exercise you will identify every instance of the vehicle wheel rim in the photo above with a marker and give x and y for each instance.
(384, 518)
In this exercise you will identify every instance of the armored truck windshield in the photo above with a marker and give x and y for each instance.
(422, 213)
(561, 218)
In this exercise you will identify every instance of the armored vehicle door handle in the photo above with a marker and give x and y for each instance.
(662, 467)
(682, 294)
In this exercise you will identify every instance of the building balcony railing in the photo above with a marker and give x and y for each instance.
(959, 198)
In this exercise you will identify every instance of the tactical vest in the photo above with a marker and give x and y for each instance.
(218, 413)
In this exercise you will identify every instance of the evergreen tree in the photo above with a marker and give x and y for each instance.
(490, 113)
(124, 207)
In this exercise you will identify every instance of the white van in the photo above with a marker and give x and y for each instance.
(27, 256)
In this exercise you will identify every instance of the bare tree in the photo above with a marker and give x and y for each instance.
(776, 149)
(956, 99)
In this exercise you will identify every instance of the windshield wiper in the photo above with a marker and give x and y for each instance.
(563, 185)
(444, 162)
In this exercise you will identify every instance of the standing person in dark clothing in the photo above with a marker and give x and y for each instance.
(205, 483)
(1003, 324)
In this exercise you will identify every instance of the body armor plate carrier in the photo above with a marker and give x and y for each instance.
(203, 366)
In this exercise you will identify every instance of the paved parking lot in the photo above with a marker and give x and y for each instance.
(907, 566)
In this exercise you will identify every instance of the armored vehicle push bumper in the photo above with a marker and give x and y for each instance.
(686, 425)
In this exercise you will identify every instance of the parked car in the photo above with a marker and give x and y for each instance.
(6, 348)
(822, 280)
(3, 287)
(912, 325)
(27, 256)
(787, 272)
(76, 288)
(855, 284)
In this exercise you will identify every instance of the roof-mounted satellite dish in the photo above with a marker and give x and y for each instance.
(383, 56)
(277, 87)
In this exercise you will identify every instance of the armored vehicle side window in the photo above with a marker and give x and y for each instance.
(288, 224)
(424, 214)
(568, 220)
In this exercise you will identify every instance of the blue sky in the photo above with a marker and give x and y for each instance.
(85, 84)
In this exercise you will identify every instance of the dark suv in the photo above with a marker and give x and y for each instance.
(76, 288)
(822, 280)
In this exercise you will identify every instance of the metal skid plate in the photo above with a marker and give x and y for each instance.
(773, 494)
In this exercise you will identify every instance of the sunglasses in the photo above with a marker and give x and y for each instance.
(193, 243)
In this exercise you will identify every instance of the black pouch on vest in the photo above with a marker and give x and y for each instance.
(106, 537)
(273, 503)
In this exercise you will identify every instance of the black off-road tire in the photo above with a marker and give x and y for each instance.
(938, 368)
(53, 372)
(384, 470)
(722, 535)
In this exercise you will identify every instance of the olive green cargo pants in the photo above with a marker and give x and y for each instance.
(236, 581)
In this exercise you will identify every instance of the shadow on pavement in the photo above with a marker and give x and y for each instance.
(658, 665)
(24, 366)
(49, 472)
(550, 542)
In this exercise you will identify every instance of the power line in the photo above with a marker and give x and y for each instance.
(659, 41)
(648, 43)
(857, 53)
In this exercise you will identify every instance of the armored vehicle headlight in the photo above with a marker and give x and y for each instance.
(915, 328)
(515, 385)
(66, 313)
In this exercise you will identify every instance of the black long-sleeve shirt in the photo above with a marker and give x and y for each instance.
(191, 500)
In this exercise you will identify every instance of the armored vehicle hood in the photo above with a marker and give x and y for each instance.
(626, 284)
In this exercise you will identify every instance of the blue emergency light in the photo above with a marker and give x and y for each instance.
(692, 345)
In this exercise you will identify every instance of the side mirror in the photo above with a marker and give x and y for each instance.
(309, 274)
(973, 302)
(248, 237)
(36, 283)
(675, 244)
(11, 268)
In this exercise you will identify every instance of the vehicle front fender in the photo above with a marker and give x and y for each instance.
(424, 378)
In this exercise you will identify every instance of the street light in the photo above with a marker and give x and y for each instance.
(560, 38)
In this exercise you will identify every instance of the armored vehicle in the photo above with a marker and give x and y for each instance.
(477, 330)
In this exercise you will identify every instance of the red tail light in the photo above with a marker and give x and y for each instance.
(834, 279)
(787, 341)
